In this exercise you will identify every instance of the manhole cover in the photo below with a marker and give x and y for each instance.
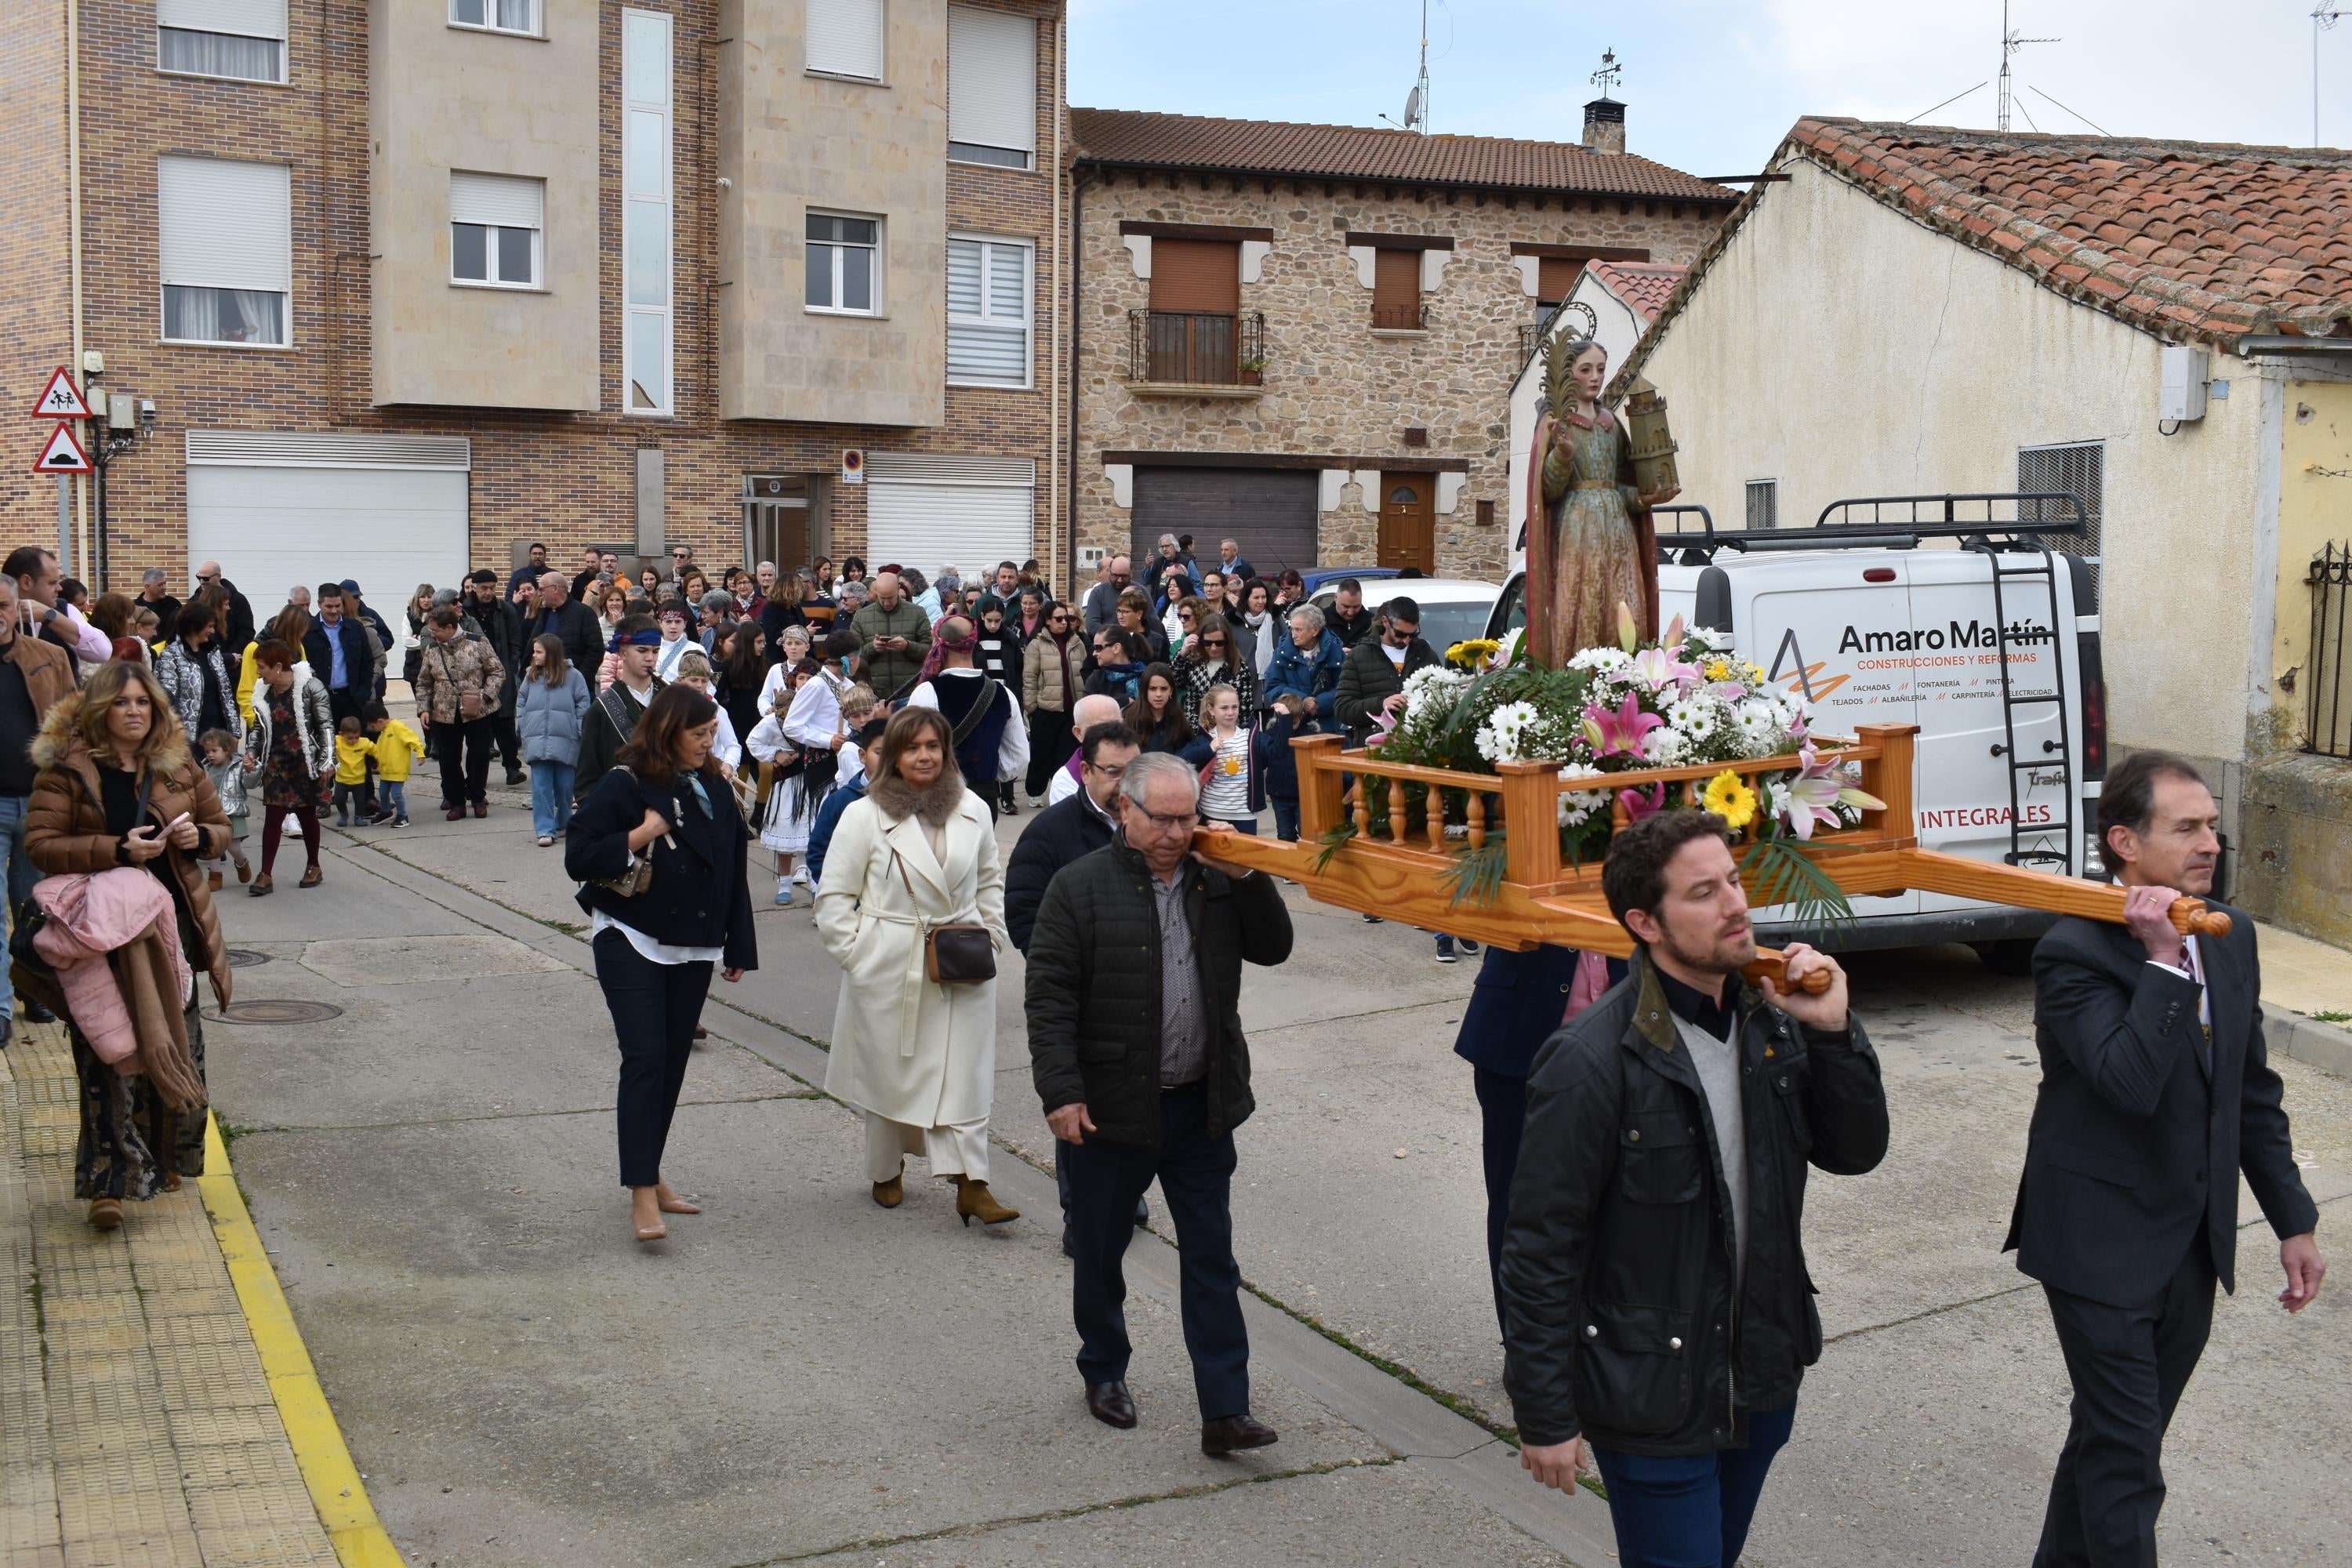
(279, 1012)
(245, 957)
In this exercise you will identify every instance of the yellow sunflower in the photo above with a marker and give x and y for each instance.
(1730, 799)
(1473, 653)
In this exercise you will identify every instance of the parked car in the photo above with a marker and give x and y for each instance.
(1452, 609)
(1877, 630)
(1317, 579)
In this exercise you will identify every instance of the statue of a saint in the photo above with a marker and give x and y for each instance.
(1595, 548)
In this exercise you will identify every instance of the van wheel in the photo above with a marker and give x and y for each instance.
(2012, 957)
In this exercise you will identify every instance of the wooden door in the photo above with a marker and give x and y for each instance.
(1409, 522)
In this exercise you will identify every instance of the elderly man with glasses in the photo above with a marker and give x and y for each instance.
(1136, 951)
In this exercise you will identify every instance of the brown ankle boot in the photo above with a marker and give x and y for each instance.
(892, 1192)
(975, 1202)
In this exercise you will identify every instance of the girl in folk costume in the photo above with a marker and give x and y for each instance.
(917, 1054)
(1592, 546)
(791, 806)
(999, 657)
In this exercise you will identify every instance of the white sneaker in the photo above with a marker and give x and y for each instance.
(545, 839)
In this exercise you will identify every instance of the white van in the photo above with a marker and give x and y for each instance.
(1911, 621)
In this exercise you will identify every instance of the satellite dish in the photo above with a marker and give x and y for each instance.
(1413, 108)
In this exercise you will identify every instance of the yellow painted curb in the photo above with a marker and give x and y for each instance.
(336, 1490)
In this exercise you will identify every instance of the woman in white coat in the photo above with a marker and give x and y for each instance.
(917, 1057)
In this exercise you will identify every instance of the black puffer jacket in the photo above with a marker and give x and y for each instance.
(1618, 1262)
(1056, 838)
(1093, 991)
(1368, 680)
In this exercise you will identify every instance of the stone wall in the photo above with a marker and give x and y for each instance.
(1332, 388)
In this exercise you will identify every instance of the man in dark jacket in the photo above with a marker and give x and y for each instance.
(1348, 618)
(1518, 1001)
(237, 630)
(340, 655)
(1372, 676)
(1064, 834)
(1135, 1042)
(575, 623)
(500, 626)
(1655, 1293)
(2156, 1092)
(613, 716)
(531, 571)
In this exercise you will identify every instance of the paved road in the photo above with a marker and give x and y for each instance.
(799, 1375)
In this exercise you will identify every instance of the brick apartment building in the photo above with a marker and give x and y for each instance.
(1306, 336)
(410, 283)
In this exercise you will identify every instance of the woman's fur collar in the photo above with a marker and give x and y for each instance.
(898, 799)
(60, 744)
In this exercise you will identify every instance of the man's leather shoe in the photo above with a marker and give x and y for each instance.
(1229, 1433)
(37, 1014)
(1111, 1404)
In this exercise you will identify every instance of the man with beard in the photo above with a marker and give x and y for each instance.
(1654, 1295)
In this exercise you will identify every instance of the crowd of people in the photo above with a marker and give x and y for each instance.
(1647, 1136)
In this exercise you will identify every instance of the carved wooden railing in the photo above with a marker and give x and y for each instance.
(1402, 875)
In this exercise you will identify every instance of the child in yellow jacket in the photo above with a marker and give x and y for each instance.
(352, 754)
(396, 749)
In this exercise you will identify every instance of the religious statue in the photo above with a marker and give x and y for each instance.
(1590, 544)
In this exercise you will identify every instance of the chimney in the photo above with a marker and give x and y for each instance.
(1604, 125)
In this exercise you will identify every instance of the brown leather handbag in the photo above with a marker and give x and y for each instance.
(960, 952)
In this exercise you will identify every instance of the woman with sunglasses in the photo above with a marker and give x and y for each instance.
(1116, 668)
(1214, 657)
(1053, 678)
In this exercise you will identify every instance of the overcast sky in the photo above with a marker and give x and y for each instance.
(1710, 86)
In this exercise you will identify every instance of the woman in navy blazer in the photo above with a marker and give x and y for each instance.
(666, 802)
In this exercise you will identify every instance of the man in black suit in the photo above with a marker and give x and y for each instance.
(2156, 1093)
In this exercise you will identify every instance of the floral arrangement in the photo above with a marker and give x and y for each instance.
(1678, 703)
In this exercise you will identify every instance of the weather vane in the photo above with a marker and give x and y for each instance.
(1606, 77)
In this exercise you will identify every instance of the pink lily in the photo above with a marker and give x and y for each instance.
(1639, 805)
(1816, 793)
(1619, 732)
(1384, 725)
(1661, 670)
(1675, 632)
(1626, 635)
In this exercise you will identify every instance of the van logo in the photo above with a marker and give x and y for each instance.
(1978, 634)
(1791, 657)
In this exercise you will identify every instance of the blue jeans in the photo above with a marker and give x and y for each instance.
(550, 798)
(1285, 818)
(1693, 1510)
(21, 878)
(394, 794)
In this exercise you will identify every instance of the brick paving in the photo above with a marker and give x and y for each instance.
(136, 1426)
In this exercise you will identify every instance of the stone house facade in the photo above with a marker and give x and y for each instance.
(410, 422)
(1307, 336)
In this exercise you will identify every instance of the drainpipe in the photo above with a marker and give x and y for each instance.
(73, 248)
(1054, 412)
(1077, 279)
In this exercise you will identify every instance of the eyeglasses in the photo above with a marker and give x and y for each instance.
(207, 576)
(1109, 772)
(1185, 615)
(1400, 636)
(1183, 822)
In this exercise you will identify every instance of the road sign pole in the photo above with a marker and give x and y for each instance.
(64, 524)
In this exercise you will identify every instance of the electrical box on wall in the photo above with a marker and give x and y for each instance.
(2182, 393)
(1091, 557)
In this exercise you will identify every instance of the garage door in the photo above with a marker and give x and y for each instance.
(1269, 512)
(932, 511)
(388, 513)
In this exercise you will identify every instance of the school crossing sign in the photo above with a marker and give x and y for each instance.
(61, 399)
(62, 453)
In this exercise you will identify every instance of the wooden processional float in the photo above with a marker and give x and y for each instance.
(1410, 877)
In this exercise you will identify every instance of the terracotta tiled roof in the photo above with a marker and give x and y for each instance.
(1133, 139)
(1643, 285)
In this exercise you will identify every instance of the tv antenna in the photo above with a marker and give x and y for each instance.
(2010, 44)
(1608, 76)
(1416, 102)
(2324, 17)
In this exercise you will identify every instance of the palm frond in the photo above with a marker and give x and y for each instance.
(1477, 874)
(1784, 874)
(1334, 839)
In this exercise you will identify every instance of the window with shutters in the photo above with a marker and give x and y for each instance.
(989, 299)
(1396, 290)
(495, 225)
(1763, 505)
(243, 40)
(992, 88)
(845, 38)
(845, 264)
(1556, 278)
(2078, 468)
(1196, 299)
(225, 250)
(645, 271)
(495, 15)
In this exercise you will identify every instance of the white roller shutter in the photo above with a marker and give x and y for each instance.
(226, 224)
(248, 19)
(991, 78)
(845, 37)
(278, 510)
(934, 512)
(502, 201)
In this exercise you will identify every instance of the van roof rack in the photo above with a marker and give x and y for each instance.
(1989, 519)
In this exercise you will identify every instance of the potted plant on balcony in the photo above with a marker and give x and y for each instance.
(1252, 369)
